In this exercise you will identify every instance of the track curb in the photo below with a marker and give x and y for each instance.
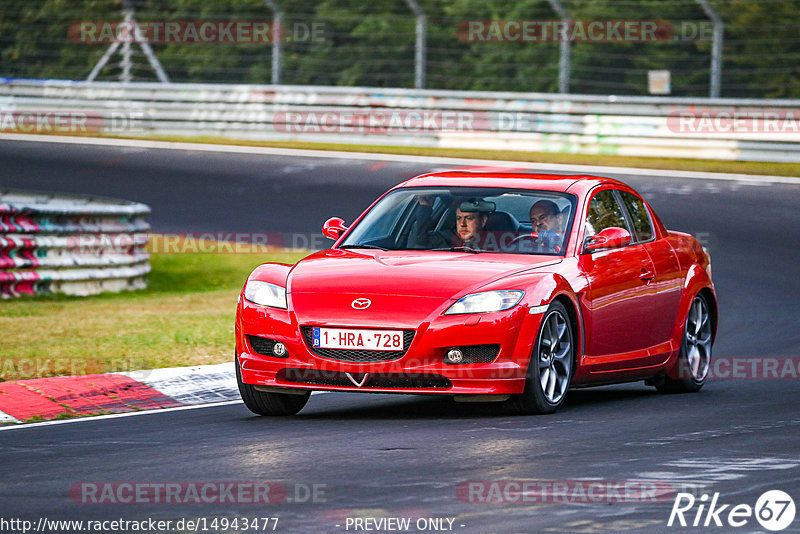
(63, 397)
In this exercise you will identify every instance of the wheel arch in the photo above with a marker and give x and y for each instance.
(550, 287)
(697, 282)
(576, 324)
(274, 273)
(711, 299)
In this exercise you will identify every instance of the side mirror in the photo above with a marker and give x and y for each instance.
(333, 228)
(612, 237)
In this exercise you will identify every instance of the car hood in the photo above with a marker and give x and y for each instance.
(405, 273)
(404, 287)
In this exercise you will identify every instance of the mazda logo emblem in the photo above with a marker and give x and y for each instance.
(361, 304)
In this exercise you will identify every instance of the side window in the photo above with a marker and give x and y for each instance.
(640, 217)
(604, 212)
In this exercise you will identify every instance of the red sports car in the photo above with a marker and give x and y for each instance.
(506, 287)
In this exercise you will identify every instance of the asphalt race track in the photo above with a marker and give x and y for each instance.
(409, 457)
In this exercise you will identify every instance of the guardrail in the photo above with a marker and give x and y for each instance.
(76, 245)
(755, 130)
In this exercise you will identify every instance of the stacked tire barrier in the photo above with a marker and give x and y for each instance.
(754, 130)
(76, 245)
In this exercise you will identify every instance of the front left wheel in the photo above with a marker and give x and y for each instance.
(269, 403)
(551, 366)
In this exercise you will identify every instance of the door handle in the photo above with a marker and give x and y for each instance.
(647, 275)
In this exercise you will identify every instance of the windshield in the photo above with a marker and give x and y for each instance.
(471, 219)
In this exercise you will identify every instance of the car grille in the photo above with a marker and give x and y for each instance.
(263, 346)
(359, 356)
(374, 380)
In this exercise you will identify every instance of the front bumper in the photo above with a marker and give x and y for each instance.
(421, 370)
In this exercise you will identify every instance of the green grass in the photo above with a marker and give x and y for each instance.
(184, 317)
(198, 272)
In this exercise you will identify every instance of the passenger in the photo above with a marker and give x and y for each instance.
(423, 234)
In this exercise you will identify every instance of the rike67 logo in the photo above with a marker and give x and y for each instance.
(774, 510)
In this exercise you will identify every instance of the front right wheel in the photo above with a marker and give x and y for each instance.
(551, 366)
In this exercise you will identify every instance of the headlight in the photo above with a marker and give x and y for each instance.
(488, 301)
(265, 294)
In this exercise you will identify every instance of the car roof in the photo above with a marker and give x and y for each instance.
(575, 183)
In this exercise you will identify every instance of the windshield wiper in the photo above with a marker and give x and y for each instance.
(364, 246)
(460, 249)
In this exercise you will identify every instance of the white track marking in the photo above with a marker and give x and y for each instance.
(114, 416)
(5, 418)
(267, 151)
(192, 385)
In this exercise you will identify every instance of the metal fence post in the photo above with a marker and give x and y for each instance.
(563, 50)
(716, 48)
(419, 47)
(277, 24)
(126, 63)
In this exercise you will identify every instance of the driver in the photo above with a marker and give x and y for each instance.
(471, 217)
(548, 221)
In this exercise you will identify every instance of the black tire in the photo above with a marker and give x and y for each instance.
(267, 403)
(560, 359)
(695, 354)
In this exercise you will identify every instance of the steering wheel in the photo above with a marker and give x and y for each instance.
(521, 237)
(516, 243)
(555, 247)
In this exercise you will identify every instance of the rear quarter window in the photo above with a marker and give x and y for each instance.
(639, 216)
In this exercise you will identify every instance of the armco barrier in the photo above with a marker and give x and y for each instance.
(757, 130)
(53, 243)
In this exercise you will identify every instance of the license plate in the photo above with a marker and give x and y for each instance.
(353, 339)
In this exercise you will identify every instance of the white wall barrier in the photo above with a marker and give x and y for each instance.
(756, 130)
(77, 245)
